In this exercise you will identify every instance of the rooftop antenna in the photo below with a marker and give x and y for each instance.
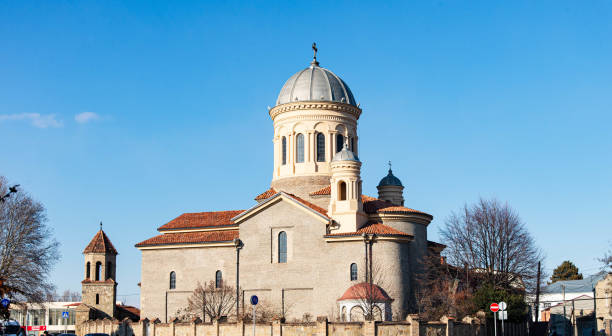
(314, 56)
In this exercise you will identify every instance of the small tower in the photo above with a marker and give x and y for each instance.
(345, 205)
(99, 287)
(391, 189)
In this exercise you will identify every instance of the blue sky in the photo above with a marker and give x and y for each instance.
(494, 99)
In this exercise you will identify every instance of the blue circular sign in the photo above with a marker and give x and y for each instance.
(5, 302)
(254, 300)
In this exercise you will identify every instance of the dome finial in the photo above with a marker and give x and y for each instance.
(314, 57)
(100, 225)
(389, 166)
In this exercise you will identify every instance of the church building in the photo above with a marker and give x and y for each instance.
(303, 246)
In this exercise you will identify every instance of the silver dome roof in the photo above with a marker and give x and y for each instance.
(345, 155)
(315, 84)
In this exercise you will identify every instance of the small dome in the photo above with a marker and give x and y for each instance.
(345, 155)
(360, 291)
(390, 180)
(315, 84)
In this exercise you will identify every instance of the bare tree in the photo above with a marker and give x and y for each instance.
(606, 261)
(27, 247)
(442, 290)
(492, 240)
(208, 300)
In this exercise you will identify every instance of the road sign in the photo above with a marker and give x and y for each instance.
(254, 300)
(502, 306)
(494, 307)
(5, 302)
(502, 315)
(37, 328)
(65, 314)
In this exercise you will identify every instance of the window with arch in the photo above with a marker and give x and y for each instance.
(97, 298)
(299, 144)
(353, 272)
(172, 280)
(284, 150)
(342, 191)
(218, 279)
(109, 270)
(339, 142)
(352, 144)
(88, 270)
(320, 147)
(282, 247)
(98, 271)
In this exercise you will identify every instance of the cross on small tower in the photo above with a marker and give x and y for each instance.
(389, 165)
(100, 225)
(314, 57)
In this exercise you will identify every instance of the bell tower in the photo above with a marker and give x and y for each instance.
(345, 205)
(99, 288)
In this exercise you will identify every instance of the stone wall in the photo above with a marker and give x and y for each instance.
(411, 327)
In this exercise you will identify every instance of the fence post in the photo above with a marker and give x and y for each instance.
(450, 326)
(276, 328)
(413, 319)
(322, 325)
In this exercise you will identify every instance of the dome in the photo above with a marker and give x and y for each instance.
(345, 155)
(315, 84)
(390, 180)
(360, 291)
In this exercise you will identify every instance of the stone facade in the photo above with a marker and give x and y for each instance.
(300, 239)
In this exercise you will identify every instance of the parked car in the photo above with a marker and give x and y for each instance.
(97, 334)
(67, 335)
(11, 328)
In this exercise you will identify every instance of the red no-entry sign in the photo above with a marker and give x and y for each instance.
(494, 307)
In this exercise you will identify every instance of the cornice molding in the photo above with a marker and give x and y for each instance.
(331, 106)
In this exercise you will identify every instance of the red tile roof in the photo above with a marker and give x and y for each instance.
(310, 205)
(362, 291)
(100, 244)
(322, 191)
(375, 205)
(190, 238)
(201, 220)
(130, 309)
(372, 228)
(266, 194)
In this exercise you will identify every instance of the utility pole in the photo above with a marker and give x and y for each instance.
(564, 316)
(595, 306)
(537, 298)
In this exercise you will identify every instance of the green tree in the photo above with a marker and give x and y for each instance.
(487, 294)
(566, 271)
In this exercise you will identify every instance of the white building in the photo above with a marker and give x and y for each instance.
(47, 316)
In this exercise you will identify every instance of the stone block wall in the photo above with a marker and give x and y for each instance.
(322, 327)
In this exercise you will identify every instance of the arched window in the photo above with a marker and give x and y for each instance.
(342, 191)
(299, 143)
(98, 270)
(284, 150)
(88, 270)
(320, 147)
(172, 280)
(97, 298)
(282, 247)
(353, 272)
(218, 279)
(352, 144)
(109, 270)
(339, 142)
